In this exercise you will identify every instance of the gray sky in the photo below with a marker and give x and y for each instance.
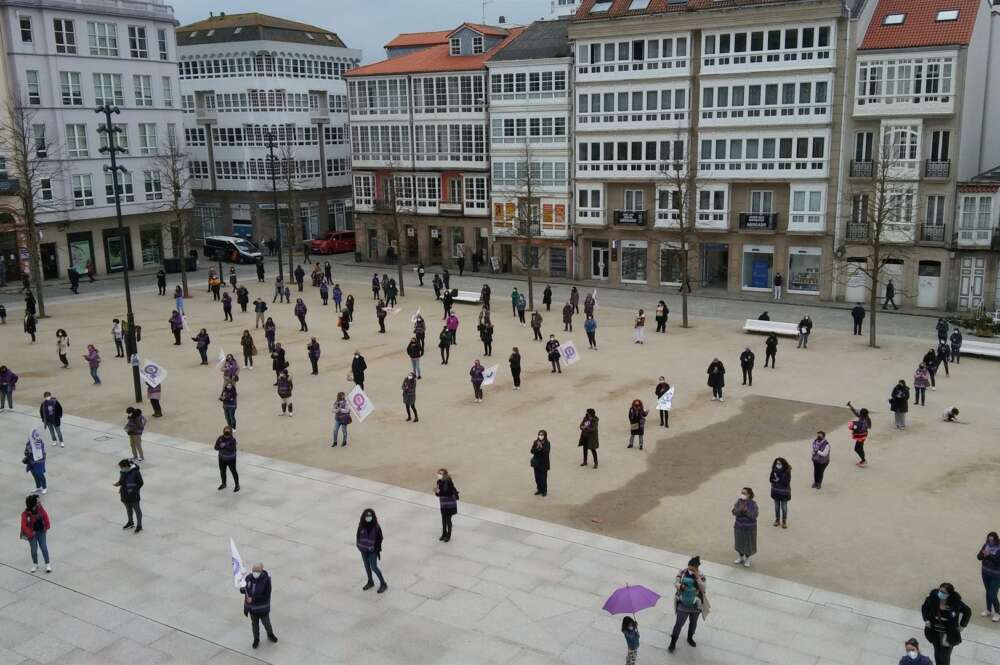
(371, 23)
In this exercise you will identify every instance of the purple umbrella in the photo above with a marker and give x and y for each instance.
(630, 599)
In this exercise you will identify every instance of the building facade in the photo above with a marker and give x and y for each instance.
(63, 60)
(248, 78)
(12, 240)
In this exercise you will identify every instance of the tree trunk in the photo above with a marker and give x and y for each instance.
(184, 274)
(36, 266)
(291, 254)
(873, 298)
(685, 278)
(531, 291)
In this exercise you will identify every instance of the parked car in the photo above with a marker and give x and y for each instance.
(231, 249)
(334, 243)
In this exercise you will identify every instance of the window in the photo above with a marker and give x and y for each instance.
(83, 191)
(147, 138)
(893, 19)
(758, 266)
(65, 36)
(601, 6)
(103, 38)
(428, 191)
(476, 197)
(863, 147)
(804, 269)
(589, 203)
(712, 206)
(976, 213)
(633, 260)
(671, 263)
(940, 141)
(161, 38)
(33, 87)
(634, 199)
(25, 22)
(108, 90)
(477, 44)
(638, 4)
(39, 140)
(45, 188)
(935, 212)
(143, 84)
(76, 140)
(900, 209)
(168, 93)
(121, 138)
(900, 142)
(947, 15)
(364, 190)
(125, 189)
(137, 42)
(807, 208)
(455, 46)
(153, 185)
(69, 82)
(761, 202)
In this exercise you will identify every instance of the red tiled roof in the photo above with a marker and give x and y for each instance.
(621, 7)
(491, 30)
(920, 26)
(432, 59)
(419, 39)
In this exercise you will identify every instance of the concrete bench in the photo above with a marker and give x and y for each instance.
(471, 297)
(982, 349)
(776, 327)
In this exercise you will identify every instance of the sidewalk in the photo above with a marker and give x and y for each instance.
(507, 589)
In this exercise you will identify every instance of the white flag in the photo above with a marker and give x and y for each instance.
(239, 572)
(152, 373)
(37, 445)
(594, 295)
(395, 310)
(490, 375)
(569, 353)
(666, 401)
(360, 404)
(222, 359)
(413, 319)
(184, 323)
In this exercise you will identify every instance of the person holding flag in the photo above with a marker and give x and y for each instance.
(256, 592)
(34, 460)
(476, 375)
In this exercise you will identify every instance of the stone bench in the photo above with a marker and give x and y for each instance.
(982, 349)
(776, 327)
(471, 297)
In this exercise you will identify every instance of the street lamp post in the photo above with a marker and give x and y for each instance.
(272, 143)
(112, 149)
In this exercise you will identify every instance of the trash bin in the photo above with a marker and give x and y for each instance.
(172, 265)
(357, 257)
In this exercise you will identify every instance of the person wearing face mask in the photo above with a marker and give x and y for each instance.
(989, 554)
(226, 445)
(257, 602)
(745, 528)
(34, 525)
(447, 495)
(369, 543)
(129, 485)
(913, 655)
(689, 601)
(358, 367)
(781, 490)
(540, 449)
(820, 458)
(409, 388)
(945, 615)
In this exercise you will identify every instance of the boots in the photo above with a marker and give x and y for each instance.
(673, 643)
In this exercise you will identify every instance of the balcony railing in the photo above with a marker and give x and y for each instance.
(857, 231)
(862, 169)
(758, 221)
(937, 169)
(630, 217)
(931, 233)
(976, 237)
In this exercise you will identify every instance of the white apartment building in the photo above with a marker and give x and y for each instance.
(530, 150)
(63, 59)
(561, 8)
(244, 78)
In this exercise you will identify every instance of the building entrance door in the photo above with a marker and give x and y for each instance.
(599, 259)
(715, 265)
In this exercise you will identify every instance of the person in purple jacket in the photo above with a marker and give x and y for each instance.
(201, 342)
(745, 527)
(476, 374)
(93, 358)
(226, 445)
(300, 314)
(313, 351)
(369, 542)
(8, 382)
(227, 307)
(228, 398)
(176, 326)
(285, 392)
(257, 602)
(913, 655)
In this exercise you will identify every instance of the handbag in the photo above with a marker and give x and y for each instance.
(706, 607)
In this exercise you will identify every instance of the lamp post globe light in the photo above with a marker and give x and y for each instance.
(112, 149)
(272, 143)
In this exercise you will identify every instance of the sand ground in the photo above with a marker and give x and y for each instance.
(915, 517)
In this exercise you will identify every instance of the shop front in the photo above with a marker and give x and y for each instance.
(804, 268)
(671, 263)
(634, 262)
(758, 267)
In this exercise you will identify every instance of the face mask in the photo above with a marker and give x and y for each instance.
(779, 467)
(943, 595)
(368, 518)
(743, 497)
(255, 574)
(912, 655)
(440, 476)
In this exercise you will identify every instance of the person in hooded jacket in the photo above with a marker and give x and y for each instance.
(358, 367)
(942, 330)
(226, 445)
(135, 425)
(945, 615)
(746, 364)
(913, 655)
(409, 389)
(956, 345)
(589, 438)
(369, 540)
(716, 379)
(899, 403)
(129, 485)
(771, 350)
(256, 592)
(567, 317)
(447, 495)
(930, 361)
(242, 298)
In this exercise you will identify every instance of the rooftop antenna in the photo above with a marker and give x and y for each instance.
(485, 2)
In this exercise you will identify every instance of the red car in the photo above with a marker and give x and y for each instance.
(334, 243)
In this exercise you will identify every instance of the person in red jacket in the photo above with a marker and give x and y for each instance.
(34, 525)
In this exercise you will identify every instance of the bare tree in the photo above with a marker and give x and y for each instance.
(28, 149)
(397, 191)
(680, 179)
(882, 213)
(176, 178)
(526, 224)
(288, 173)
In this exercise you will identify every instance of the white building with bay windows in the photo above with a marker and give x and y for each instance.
(64, 59)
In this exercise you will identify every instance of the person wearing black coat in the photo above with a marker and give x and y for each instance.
(51, 412)
(486, 335)
(956, 345)
(858, 314)
(226, 445)
(716, 379)
(444, 344)
(771, 350)
(547, 298)
(446, 302)
(899, 403)
(358, 367)
(256, 590)
(129, 485)
(161, 282)
(540, 449)
(515, 367)
(943, 354)
(661, 388)
(746, 364)
(931, 361)
(945, 615)
(300, 276)
(278, 362)
(369, 542)
(447, 495)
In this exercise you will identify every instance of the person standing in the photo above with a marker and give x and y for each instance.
(553, 353)
(34, 461)
(129, 485)
(300, 314)
(390, 294)
(349, 306)
(420, 333)
(35, 524)
(540, 450)
(421, 271)
(380, 314)
(771, 350)
(232, 277)
(228, 398)
(118, 337)
(93, 358)
(515, 295)
(567, 317)
(515, 367)
(179, 299)
(447, 495)
(358, 367)
(30, 325)
(227, 307)
(74, 279)
(461, 265)
(161, 282)
(369, 542)
(376, 287)
(745, 511)
(860, 427)
(890, 296)
(8, 383)
(201, 342)
(913, 655)
(51, 412)
(476, 376)
(279, 289)
(226, 445)
(820, 458)
(630, 629)
(485, 293)
(574, 300)
(805, 327)
(746, 364)
(230, 369)
(989, 554)
(778, 282)
(409, 389)
(62, 347)
(153, 394)
(536, 325)
(781, 490)
(689, 600)
(716, 379)
(943, 353)
(337, 294)
(486, 335)
(313, 352)
(547, 298)
(278, 362)
(444, 344)
(270, 331)
(341, 418)
(452, 324)
(590, 327)
(942, 331)
(858, 314)
(899, 403)
(344, 323)
(176, 322)
(285, 392)
(956, 345)
(415, 350)
(637, 422)
(662, 314)
(521, 306)
(256, 592)
(438, 285)
(249, 349)
(589, 438)
(300, 276)
(242, 298)
(921, 379)
(663, 405)
(639, 329)
(945, 615)
(135, 425)
(260, 270)
(447, 300)
(589, 303)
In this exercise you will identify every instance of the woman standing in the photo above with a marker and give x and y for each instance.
(444, 344)
(153, 394)
(420, 333)
(515, 367)
(859, 432)
(34, 526)
(228, 399)
(249, 349)
(230, 369)
(820, 458)
(8, 383)
(781, 490)
(201, 342)
(313, 351)
(179, 299)
(899, 403)
(745, 528)
(341, 418)
(486, 335)
(414, 350)
(540, 449)
(30, 325)
(661, 389)
(689, 600)
(338, 295)
(227, 307)
(34, 461)
(637, 422)
(476, 374)
(921, 379)
(589, 439)
(447, 495)
(945, 615)
(270, 331)
(547, 298)
(176, 326)
(452, 324)
(62, 346)
(639, 331)
(344, 323)
(135, 425)
(300, 314)
(662, 312)
(93, 358)
(324, 292)
(369, 542)
(716, 379)
(285, 392)
(226, 445)
(278, 362)
(349, 306)
(409, 388)
(552, 349)
(989, 554)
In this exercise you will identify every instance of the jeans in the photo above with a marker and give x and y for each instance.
(857, 327)
(203, 352)
(230, 413)
(256, 620)
(541, 480)
(591, 338)
(477, 389)
(302, 324)
(919, 394)
(415, 363)
(337, 427)
(314, 362)
(818, 471)
(93, 375)
(691, 618)
(770, 358)
(247, 359)
(231, 465)
(803, 340)
(777, 292)
(900, 419)
(780, 510)
(39, 475)
(133, 507)
(631, 439)
(992, 584)
(370, 559)
(36, 542)
(717, 391)
(7, 396)
(538, 333)
(54, 432)
(747, 375)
